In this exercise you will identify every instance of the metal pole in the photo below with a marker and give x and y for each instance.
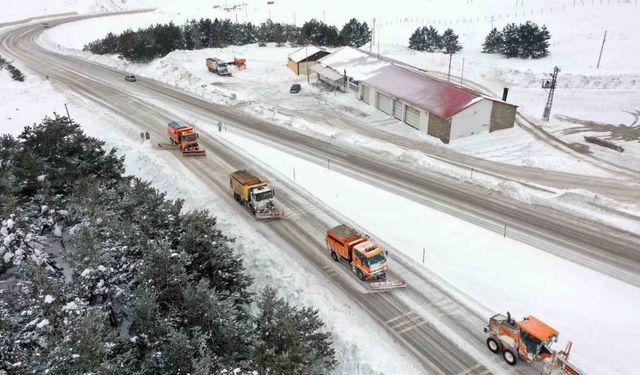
(306, 52)
(505, 231)
(423, 250)
(462, 74)
(449, 73)
(67, 109)
(294, 173)
(604, 39)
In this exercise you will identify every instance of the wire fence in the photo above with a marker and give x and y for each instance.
(517, 12)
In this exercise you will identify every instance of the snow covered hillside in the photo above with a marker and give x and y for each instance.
(14, 10)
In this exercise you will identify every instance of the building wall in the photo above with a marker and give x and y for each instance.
(439, 128)
(373, 97)
(424, 121)
(293, 66)
(503, 116)
(472, 120)
(303, 67)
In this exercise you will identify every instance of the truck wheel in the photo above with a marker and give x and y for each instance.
(334, 256)
(171, 140)
(360, 275)
(493, 345)
(510, 357)
(253, 210)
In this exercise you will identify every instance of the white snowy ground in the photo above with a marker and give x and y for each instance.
(14, 10)
(593, 310)
(366, 350)
(262, 90)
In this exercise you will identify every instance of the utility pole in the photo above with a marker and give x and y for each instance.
(449, 73)
(462, 74)
(604, 39)
(373, 33)
(294, 19)
(306, 51)
(67, 109)
(492, 19)
(550, 86)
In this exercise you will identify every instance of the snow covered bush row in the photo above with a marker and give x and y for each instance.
(101, 273)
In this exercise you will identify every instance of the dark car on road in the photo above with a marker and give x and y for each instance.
(130, 78)
(295, 88)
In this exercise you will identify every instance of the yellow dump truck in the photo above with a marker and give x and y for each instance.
(255, 194)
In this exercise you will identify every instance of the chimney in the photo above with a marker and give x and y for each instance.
(505, 93)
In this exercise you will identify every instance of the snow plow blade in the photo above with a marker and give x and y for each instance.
(269, 214)
(198, 152)
(387, 285)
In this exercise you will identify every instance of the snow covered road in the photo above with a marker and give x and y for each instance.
(106, 87)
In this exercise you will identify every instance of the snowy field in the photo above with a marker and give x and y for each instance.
(608, 95)
(567, 296)
(369, 350)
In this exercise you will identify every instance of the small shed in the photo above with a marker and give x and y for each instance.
(300, 60)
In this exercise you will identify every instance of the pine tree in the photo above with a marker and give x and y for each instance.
(493, 42)
(433, 40)
(417, 40)
(540, 43)
(355, 34)
(450, 42)
(511, 40)
(290, 340)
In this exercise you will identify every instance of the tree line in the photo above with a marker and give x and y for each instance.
(101, 273)
(156, 41)
(526, 40)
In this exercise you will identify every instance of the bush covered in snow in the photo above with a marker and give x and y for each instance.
(101, 273)
(15, 73)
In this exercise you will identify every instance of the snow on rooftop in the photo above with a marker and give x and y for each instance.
(302, 53)
(357, 64)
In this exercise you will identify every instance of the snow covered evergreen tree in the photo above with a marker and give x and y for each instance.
(511, 40)
(426, 39)
(493, 42)
(301, 348)
(450, 42)
(355, 34)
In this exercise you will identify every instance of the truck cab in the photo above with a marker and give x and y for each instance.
(367, 259)
(261, 198)
(223, 70)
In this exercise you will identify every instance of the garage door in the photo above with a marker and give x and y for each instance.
(365, 94)
(413, 117)
(385, 104)
(398, 110)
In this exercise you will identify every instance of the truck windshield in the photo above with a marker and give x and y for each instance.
(264, 196)
(379, 258)
(189, 138)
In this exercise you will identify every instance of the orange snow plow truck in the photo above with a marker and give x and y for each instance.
(528, 340)
(367, 260)
(183, 137)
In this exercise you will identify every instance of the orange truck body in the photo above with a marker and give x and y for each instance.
(185, 137)
(366, 258)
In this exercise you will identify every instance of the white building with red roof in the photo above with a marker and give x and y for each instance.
(440, 108)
